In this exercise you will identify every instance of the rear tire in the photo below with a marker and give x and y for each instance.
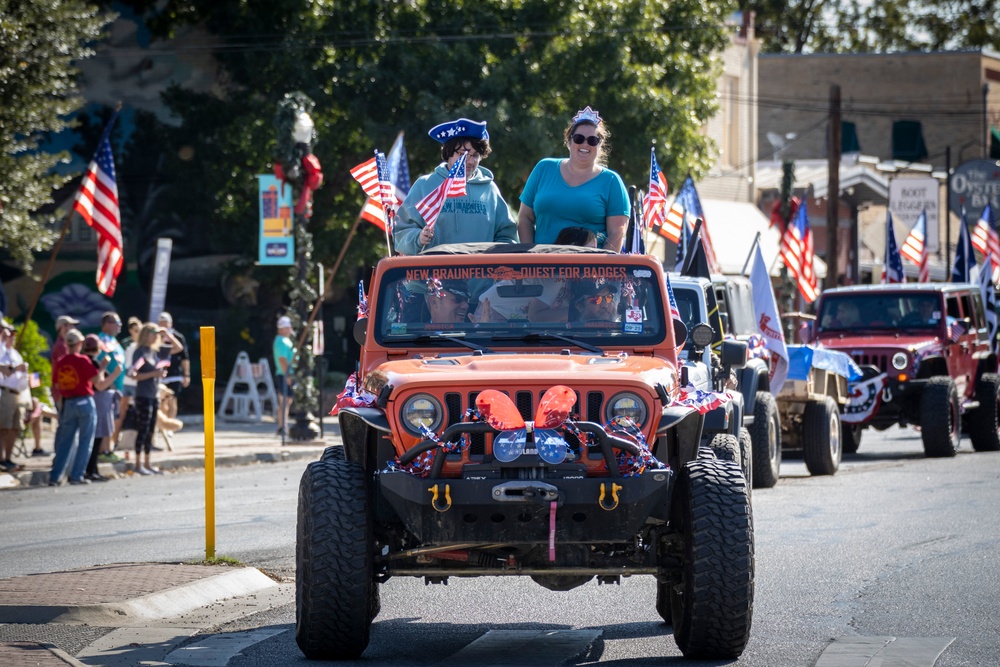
(746, 457)
(939, 418)
(335, 591)
(984, 429)
(821, 444)
(333, 453)
(766, 436)
(712, 603)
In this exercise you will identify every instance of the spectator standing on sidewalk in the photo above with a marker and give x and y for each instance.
(179, 375)
(284, 353)
(77, 379)
(149, 368)
(128, 384)
(103, 405)
(13, 380)
(111, 326)
(63, 324)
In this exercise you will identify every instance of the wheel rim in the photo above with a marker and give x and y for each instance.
(835, 436)
(772, 445)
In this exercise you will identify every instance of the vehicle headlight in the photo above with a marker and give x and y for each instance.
(626, 404)
(900, 361)
(422, 410)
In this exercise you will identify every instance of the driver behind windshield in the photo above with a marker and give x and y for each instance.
(593, 300)
(447, 301)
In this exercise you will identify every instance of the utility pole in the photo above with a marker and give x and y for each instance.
(833, 189)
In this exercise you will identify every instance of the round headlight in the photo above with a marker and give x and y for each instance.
(422, 410)
(702, 335)
(626, 404)
(900, 361)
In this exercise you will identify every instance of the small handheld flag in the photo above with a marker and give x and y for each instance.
(430, 206)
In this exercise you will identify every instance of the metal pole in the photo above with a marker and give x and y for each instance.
(833, 191)
(208, 406)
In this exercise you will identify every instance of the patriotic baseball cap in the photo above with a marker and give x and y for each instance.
(463, 127)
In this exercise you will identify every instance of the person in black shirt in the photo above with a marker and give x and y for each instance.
(179, 374)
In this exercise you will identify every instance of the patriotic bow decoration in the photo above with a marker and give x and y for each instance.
(353, 396)
(553, 410)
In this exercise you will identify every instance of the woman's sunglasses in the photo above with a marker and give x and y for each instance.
(591, 141)
(601, 298)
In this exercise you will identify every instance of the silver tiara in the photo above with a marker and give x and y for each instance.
(587, 114)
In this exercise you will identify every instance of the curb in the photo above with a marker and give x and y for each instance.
(141, 610)
(41, 477)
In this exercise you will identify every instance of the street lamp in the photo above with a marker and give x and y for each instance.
(296, 165)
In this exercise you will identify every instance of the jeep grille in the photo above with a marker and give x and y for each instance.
(881, 361)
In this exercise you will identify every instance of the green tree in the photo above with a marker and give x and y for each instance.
(39, 42)
(375, 68)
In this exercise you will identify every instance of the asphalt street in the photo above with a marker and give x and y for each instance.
(893, 546)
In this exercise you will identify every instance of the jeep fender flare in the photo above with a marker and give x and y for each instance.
(356, 427)
(685, 425)
(727, 418)
(931, 366)
(752, 378)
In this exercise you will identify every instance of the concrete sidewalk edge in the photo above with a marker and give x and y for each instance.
(170, 603)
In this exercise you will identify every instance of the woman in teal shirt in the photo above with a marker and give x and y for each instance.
(578, 191)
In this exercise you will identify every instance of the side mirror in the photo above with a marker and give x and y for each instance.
(360, 329)
(680, 333)
(734, 354)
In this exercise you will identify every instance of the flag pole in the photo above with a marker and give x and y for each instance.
(756, 241)
(329, 279)
(695, 238)
(45, 276)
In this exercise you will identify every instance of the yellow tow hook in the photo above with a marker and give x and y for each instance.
(447, 498)
(615, 488)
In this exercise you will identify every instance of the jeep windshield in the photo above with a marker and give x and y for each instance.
(858, 312)
(552, 304)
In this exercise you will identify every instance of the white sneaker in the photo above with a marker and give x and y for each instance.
(154, 470)
(143, 470)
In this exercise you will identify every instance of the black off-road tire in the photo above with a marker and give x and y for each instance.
(334, 598)
(712, 604)
(765, 432)
(850, 437)
(940, 422)
(821, 442)
(746, 457)
(726, 447)
(984, 421)
(333, 453)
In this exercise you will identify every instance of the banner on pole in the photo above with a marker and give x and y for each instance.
(161, 272)
(277, 241)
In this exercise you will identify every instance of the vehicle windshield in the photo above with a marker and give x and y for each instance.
(550, 305)
(853, 312)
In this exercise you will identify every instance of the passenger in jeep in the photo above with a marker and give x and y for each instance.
(927, 311)
(447, 301)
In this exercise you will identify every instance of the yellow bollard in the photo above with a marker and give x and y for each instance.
(208, 402)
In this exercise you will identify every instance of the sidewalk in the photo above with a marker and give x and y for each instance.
(111, 614)
(235, 444)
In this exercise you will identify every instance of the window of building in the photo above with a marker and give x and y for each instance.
(849, 138)
(908, 141)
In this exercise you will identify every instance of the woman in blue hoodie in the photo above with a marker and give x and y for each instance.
(481, 215)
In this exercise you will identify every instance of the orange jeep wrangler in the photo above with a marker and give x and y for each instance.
(520, 414)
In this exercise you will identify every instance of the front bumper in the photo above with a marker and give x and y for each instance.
(492, 508)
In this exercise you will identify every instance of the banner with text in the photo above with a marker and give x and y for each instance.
(277, 240)
(908, 197)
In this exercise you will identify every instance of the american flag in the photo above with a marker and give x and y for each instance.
(430, 206)
(97, 204)
(653, 205)
(675, 312)
(892, 269)
(914, 248)
(986, 241)
(965, 259)
(797, 253)
(395, 182)
(685, 210)
(366, 174)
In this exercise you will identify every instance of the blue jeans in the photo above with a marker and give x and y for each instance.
(77, 423)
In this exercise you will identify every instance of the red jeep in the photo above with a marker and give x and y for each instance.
(925, 349)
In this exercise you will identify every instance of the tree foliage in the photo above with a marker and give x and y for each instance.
(857, 26)
(375, 68)
(39, 42)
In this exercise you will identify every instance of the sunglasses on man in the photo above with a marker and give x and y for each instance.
(601, 298)
(591, 141)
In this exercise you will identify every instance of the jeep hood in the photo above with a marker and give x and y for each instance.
(880, 342)
(477, 372)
